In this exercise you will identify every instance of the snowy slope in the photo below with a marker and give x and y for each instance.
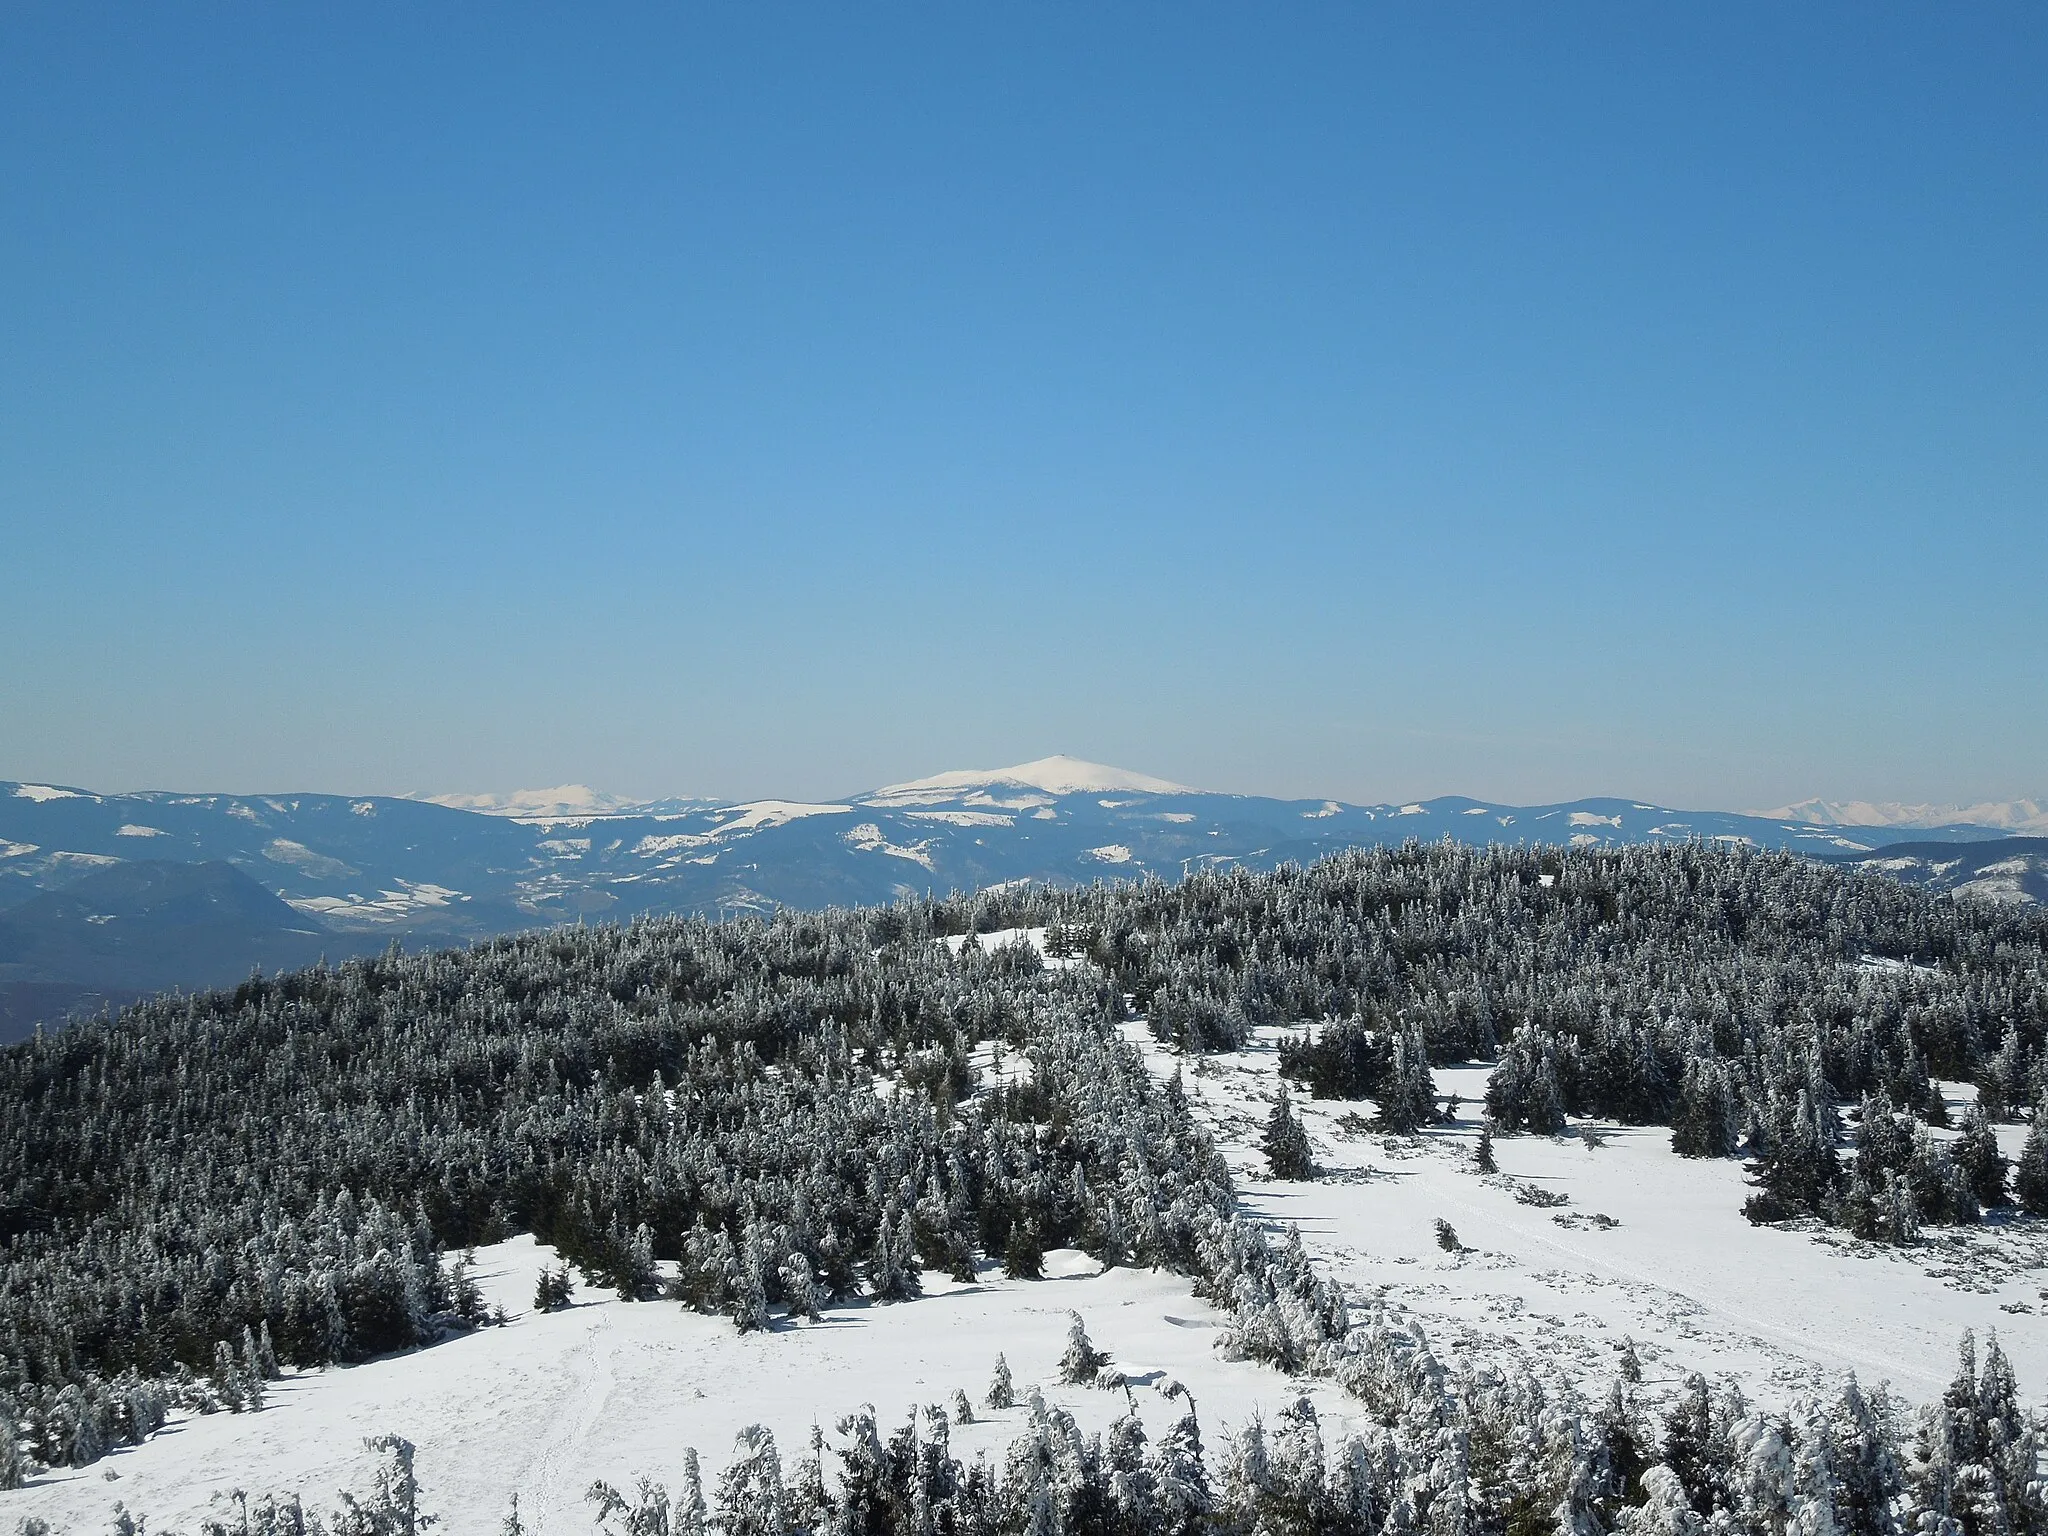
(616, 1390)
(1683, 1273)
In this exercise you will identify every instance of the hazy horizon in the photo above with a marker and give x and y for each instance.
(601, 798)
(1366, 404)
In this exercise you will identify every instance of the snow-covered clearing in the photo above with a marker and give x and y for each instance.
(1785, 1310)
(617, 1390)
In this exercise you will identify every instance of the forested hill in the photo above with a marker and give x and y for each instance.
(361, 870)
(798, 1107)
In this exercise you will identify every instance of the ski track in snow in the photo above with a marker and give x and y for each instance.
(569, 1437)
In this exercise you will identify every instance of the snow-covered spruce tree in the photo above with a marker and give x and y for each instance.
(555, 1288)
(1341, 1060)
(1976, 1156)
(13, 1456)
(1002, 1392)
(1976, 1457)
(2030, 1171)
(1285, 1143)
(1483, 1160)
(229, 1384)
(1082, 1362)
(1525, 1093)
(750, 1499)
(1408, 1094)
(1798, 1170)
(393, 1506)
(1697, 1448)
(1705, 1122)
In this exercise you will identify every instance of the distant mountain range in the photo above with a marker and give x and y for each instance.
(2007, 815)
(2007, 869)
(341, 872)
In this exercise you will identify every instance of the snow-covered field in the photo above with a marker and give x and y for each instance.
(617, 1390)
(1680, 1271)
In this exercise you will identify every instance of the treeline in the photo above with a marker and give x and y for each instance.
(1755, 1003)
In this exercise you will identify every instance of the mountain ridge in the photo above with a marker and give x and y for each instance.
(369, 869)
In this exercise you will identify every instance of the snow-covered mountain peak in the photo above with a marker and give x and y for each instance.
(1057, 775)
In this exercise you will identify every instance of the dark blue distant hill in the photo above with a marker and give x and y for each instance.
(127, 929)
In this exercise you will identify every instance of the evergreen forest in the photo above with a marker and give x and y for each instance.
(760, 1117)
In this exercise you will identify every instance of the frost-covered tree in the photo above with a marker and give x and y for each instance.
(554, 1290)
(1977, 1158)
(1408, 1094)
(1082, 1362)
(1285, 1143)
(1002, 1392)
(2030, 1171)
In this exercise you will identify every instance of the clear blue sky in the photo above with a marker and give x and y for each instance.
(1523, 401)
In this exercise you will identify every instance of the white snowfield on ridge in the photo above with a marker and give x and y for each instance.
(1648, 1247)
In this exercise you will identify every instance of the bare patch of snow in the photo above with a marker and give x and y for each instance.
(757, 815)
(614, 1390)
(410, 899)
(869, 838)
(282, 850)
(668, 842)
(42, 793)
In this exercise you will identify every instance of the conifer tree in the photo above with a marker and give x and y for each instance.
(1408, 1096)
(1082, 1362)
(13, 1457)
(1286, 1143)
(1002, 1393)
(554, 1290)
(2030, 1173)
(1977, 1158)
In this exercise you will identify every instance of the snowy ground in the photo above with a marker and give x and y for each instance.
(1681, 1272)
(617, 1390)
(1649, 1247)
